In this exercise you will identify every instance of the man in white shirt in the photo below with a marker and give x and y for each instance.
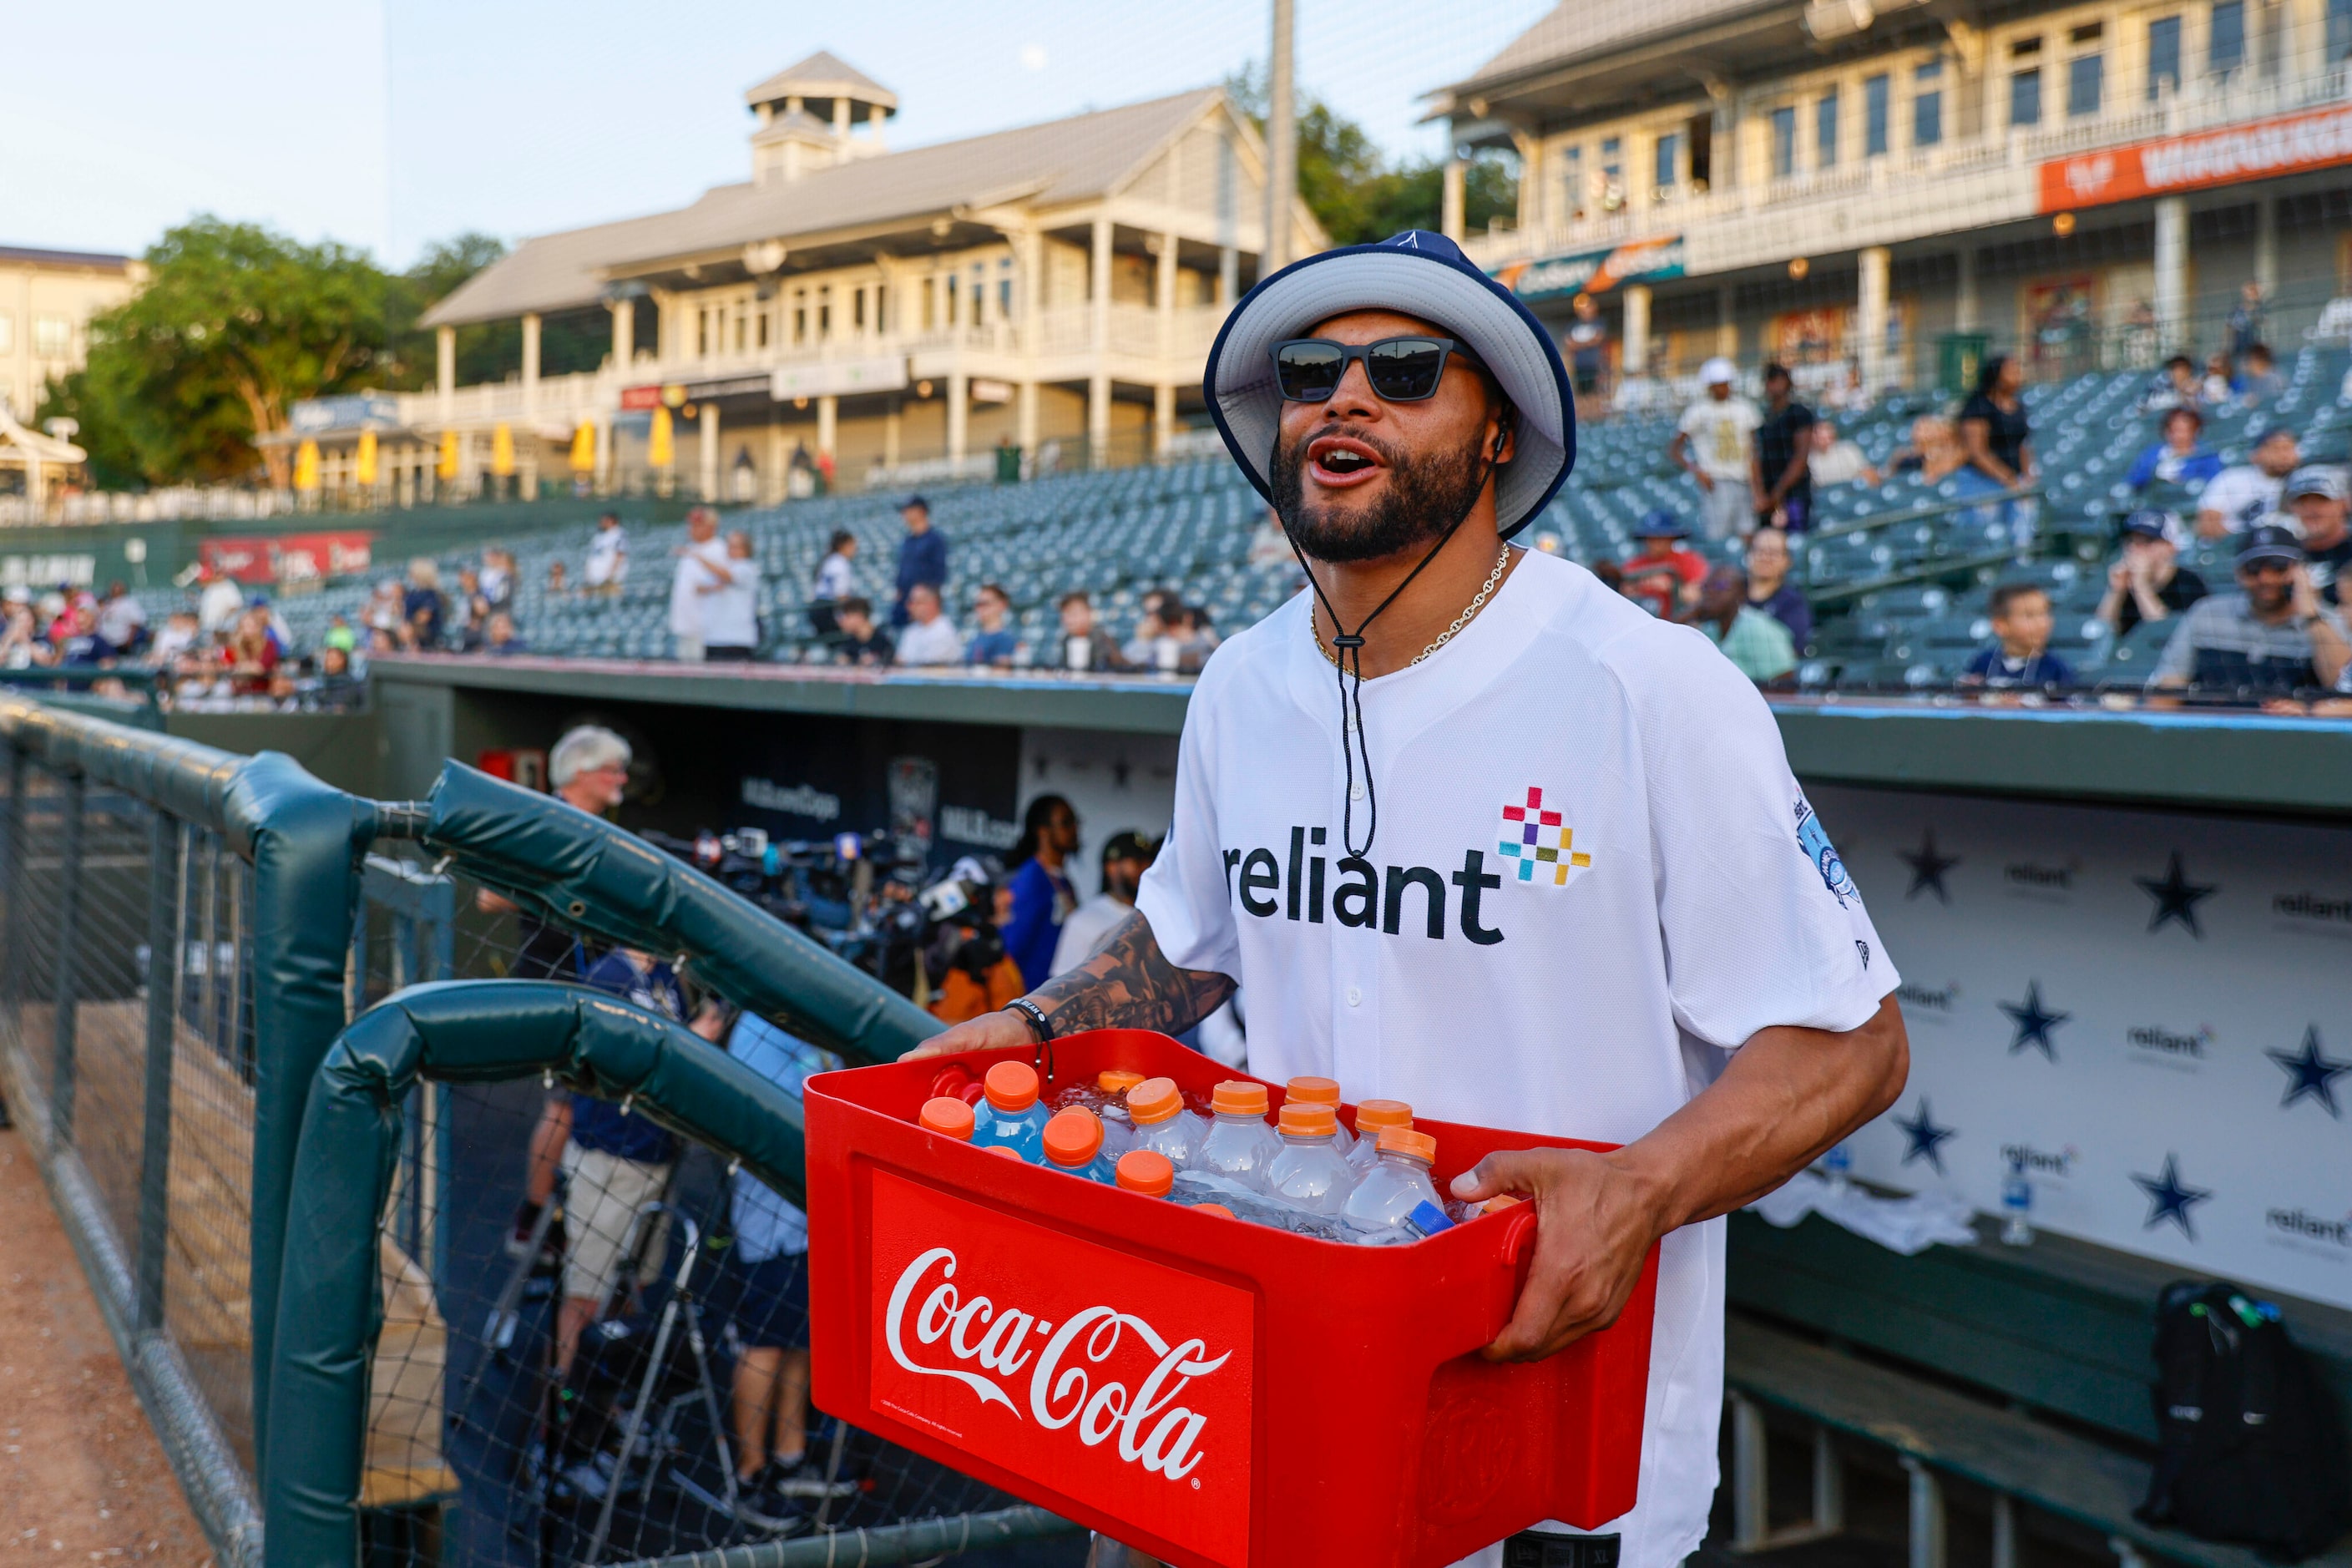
(1550, 872)
(929, 637)
(218, 607)
(730, 610)
(2247, 495)
(1714, 444)
(1126, 856)
(701, 567)
(608, 556)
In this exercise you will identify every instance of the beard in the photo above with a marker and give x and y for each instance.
(1425, 496)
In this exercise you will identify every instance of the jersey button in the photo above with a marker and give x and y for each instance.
(1355, 996)
(1355, 792)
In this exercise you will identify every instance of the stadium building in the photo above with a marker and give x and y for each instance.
(1848, 184)
(851, 307)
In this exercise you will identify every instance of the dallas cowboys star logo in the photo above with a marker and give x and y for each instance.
(1926, 1138)
(2175, 898)
(2310, 1073)
(2168, 1199)
(2033, 1022)
(1927, 868)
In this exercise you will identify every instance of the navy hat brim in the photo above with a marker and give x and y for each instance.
(1415, 274)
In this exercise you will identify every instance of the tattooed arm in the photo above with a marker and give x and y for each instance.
(1129, 985)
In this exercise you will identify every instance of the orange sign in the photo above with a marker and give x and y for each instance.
(2287, 145)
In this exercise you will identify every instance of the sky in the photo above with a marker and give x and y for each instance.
(389, 124)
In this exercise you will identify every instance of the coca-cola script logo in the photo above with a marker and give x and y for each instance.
(1100, 1375)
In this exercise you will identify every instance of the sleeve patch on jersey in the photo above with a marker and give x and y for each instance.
(1813, 840)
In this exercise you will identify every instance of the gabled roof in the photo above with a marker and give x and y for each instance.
(1068, 160)
(822, 75)
(1582, 29)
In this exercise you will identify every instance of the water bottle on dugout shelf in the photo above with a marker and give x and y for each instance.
(1374, 1117)
(1310, 1173)
(1073, 1143)
(1161, 1124)
(2017, 1205)
(1015, 1120)
(1322, 1091)
(1240, 1146)
(1397, 1185)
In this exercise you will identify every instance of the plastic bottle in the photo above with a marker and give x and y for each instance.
(1218, 1210)
(1240, 1146)
(1118, 1126)
(1015, 1120)
(1073, 1143)
(1142, 1171)
(947, 1116)
(1161, 1124)
(2017, 1205)
(1322, 1091)
(1374, 1117)
(1838, 1166)
(1310, 1173)
(1399, 1185)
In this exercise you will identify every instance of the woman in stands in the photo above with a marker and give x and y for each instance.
(1999, 440)
(2177, 458)
(1769, 590)
(1933, 452)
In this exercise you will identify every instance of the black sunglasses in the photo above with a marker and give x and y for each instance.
(1401, 370)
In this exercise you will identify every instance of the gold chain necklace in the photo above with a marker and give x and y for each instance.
(1469, 613)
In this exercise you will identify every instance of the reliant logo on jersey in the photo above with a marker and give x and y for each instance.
(1395, 899)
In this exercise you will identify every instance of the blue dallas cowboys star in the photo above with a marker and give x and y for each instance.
(1927, 868)
(2311, 1074)
(2176, 898)
(2168, 1198)
(1926, 1138)
(2033, 1022)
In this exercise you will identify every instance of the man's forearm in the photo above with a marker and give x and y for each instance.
(1130, 985)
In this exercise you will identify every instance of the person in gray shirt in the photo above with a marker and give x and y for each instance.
(2272, 638)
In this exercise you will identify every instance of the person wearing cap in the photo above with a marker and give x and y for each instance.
(922, 556)
(1126, 856)
(1715, 444)
(2272, 638)
(2319, 498)
(1471, 831)
(2147, 582)
(2177, 457)
(1661, 573)
(2247, 494)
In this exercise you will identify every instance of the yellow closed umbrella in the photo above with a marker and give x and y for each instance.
(583, 448)
(363, 461)
(660, 451)
(502, 451)
(305, 466)
(446, 467)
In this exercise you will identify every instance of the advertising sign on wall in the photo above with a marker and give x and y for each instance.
(838, 377)
(1595, 271)
(2287, 145)
(296, 558)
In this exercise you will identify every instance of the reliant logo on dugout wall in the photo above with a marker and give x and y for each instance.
(1115, 1381)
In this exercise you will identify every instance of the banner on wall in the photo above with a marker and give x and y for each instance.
(2150, 1014)
(2285, 145)
(1595, 271)
(293, 558)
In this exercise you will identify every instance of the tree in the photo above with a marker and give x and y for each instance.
(486, 351)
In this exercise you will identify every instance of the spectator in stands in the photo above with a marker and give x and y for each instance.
(2019, 654)
(223, 601)
(1932, 452)
(1715, 444)
(1769, 590)
(2147, 582)
(1086, 646)
(837, 579)
(1661, 573)
(557, 584)
(701, 567)
(121, 622)
(338, 679)
(179, 637)
(2246, 321)
(2272, 637)
(2176, 386)
(1155, 613)
(1784, 448)
(499, 638)
(495, 578)
(922, 555)
(338, 634)
(1853, 395)
(1126, 856)
(859, 641)
(473, 609)
(2177, 457)
(1041, 895)
(422, 608)
(1752, 640)
(730, 610)
(1995, 433)
(996, 643)
(2259, 380)
(2319, 498)
(1587, 341)
(2219, 386)
(929, 637)
(608, 556)
(21, 644)
(252, 654)
(1836, 462)
(2247, 495)
(381, 615)
(1196, 637)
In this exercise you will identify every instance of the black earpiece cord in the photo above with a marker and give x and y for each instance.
(1349, 649)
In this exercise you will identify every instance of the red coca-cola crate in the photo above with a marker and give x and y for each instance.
(1206, 1390)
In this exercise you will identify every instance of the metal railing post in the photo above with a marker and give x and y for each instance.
(61, 1072)
(163, 1025)
(14, 911)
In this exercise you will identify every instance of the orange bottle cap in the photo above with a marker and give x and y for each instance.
(1117, 1081)
(1405, 1141)
(1144, 1171)
(1236, 1097)
(1012, 1086)
(1074, 1136)
(1212, 1208)
(1008, 1152)
(1154, 1100)
(1499, 1202)
(1315, 1090)
(947, 1116)
(1375, 1114)
(1303, 1119)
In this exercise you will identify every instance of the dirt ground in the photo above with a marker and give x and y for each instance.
(82, 1478)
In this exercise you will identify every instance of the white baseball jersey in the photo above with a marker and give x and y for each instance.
(1593, 878)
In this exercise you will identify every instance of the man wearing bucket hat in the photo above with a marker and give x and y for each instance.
(1478, 833)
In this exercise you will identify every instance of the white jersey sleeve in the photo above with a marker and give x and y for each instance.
(1762, 923)
(1183, 895)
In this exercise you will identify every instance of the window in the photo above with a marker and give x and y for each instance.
(2339, 30)
(52, 337)
(742, 331)
(701, 334)
(2085, 76)
(1873, 116)
(2164, 55)
(2227, 50)
(1783, 122)
(2025, 98)
(825, 310)
(1825, 129)
(763, 326)
(1572, 182)
(1005, 288)
(1613, 174)
(1670, 158)
(1927, 104)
